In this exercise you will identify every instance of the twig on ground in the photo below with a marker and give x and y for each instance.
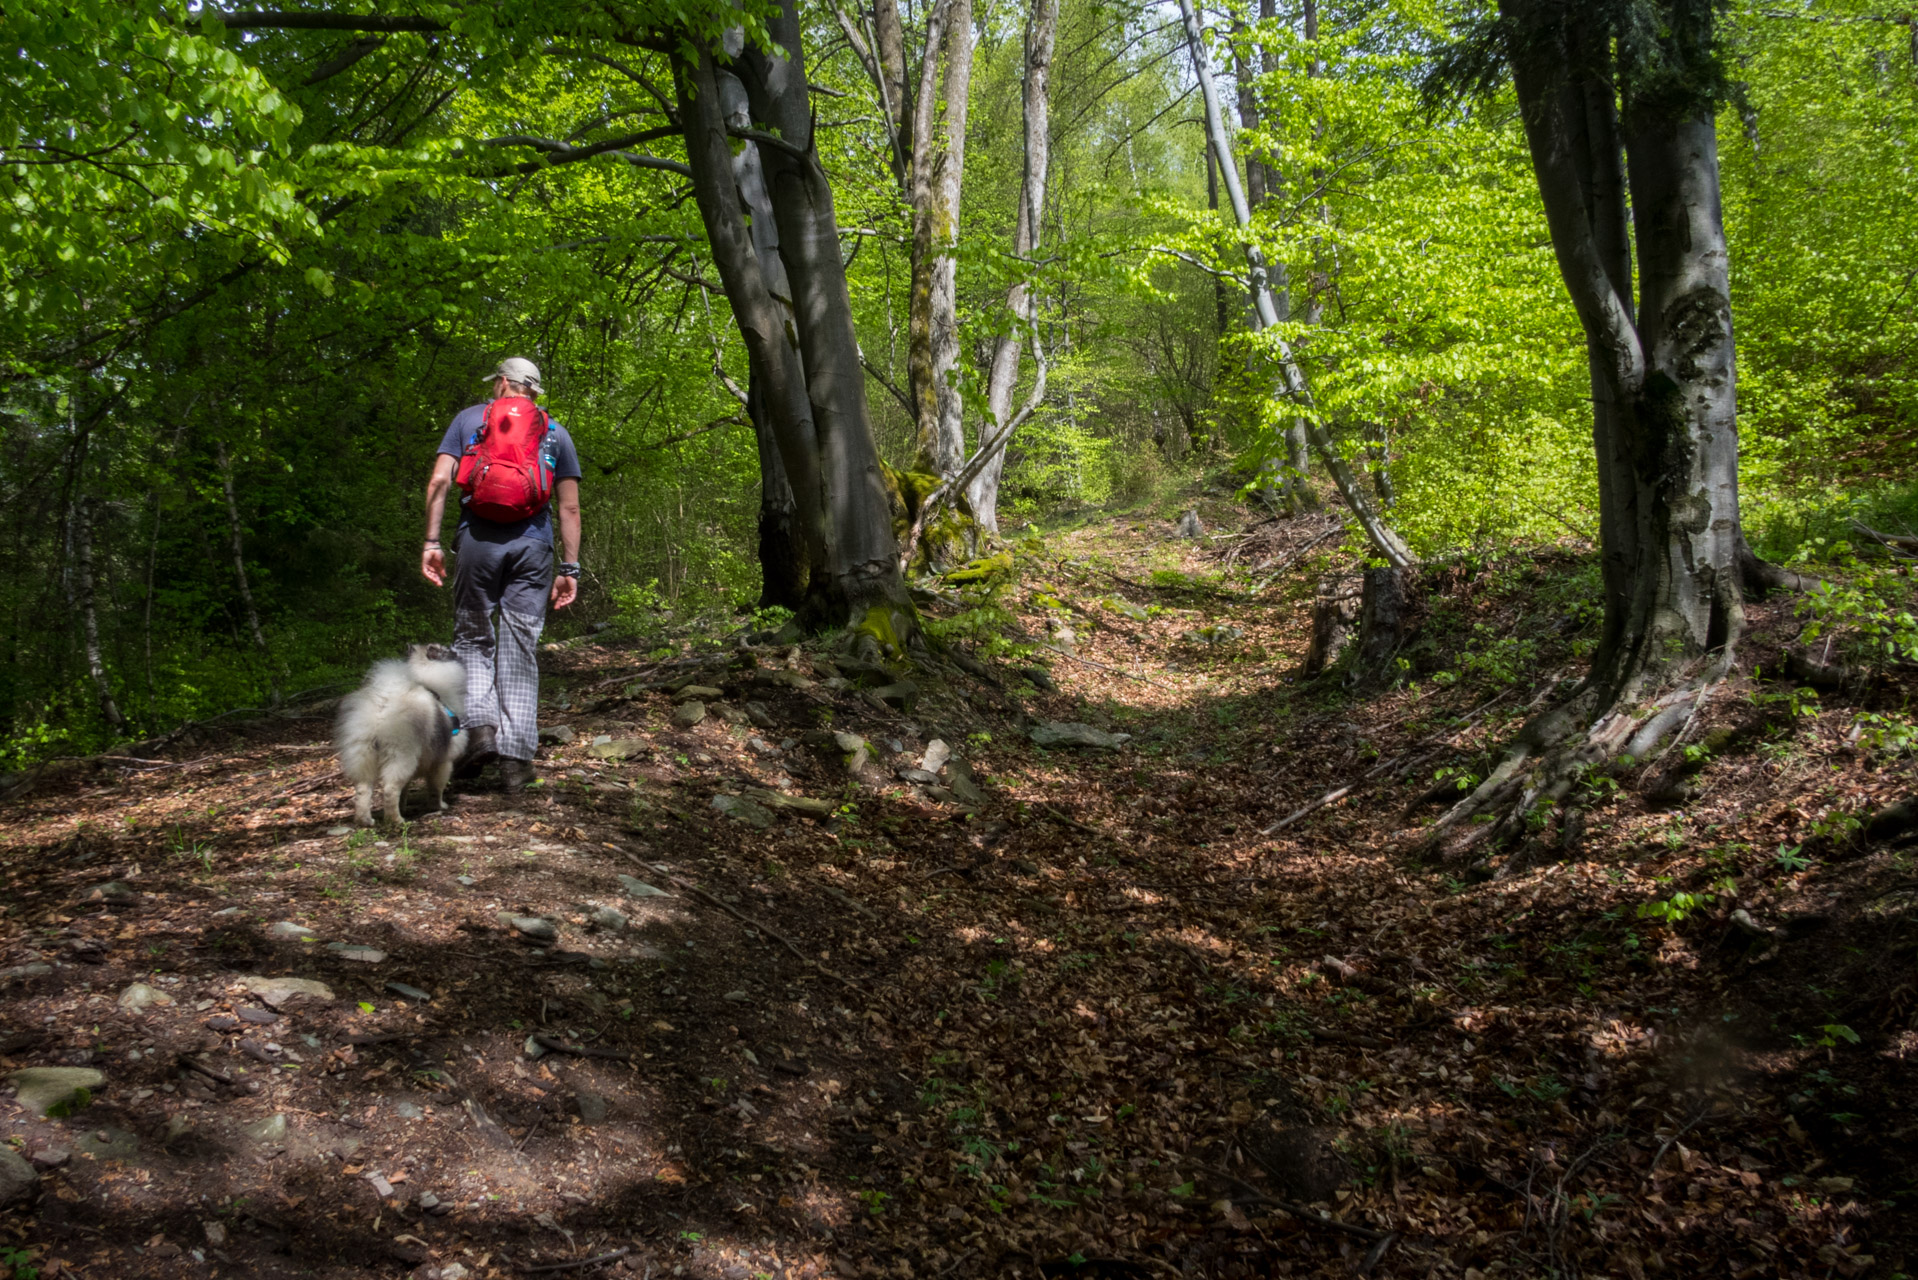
(1320, 803)
(745, 919)
(556, 1045)
(1304, 1213)
(1057, 816)
(595, 1260)
(1293, 559)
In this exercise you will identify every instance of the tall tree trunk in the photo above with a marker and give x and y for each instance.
(782, 551)
(928, 135)
(727, 187)
(1042, 30)
(237, 544)
(1385, 541)
(89, 612)
(1664, 388)
(863, 553)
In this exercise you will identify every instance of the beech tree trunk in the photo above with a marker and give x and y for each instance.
(862, 553)
(1042, 30)
(238, 545)
(1664, 383)
(90, 614)
(926, 120)
(1385, 541)
(728, 187)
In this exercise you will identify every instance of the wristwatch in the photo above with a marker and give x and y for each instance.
(568, 569)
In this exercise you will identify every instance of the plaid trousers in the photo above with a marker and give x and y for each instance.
(511, 579)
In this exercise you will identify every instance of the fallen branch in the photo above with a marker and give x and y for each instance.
(747, 920)
(593, 1261)
(555, 1045)
(1320, 803)
(1294, 558)
(1304, 1213)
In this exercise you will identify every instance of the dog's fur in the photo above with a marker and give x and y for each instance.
(392, 730)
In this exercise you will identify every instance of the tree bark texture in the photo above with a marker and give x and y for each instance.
(863, 552)
(727, 187)
(238, 544)
(782, 553)
(1663, 371)
(1042, 30)
(1384, 539)
(930, 138)
(90, 614)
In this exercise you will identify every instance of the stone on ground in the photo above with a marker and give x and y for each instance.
(287, 931)
(618, 748)
(45, 1090)
(1070, 733)
(742, 810)
(271, 1129)
(279, 991)
(140, 996)
(640, 889)
(16, 1175)
(937, 753)
(702, 692)
(688, 714)
(107, 1144)
(593, 1108)
(559, 733)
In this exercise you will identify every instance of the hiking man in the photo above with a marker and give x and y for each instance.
(513, 465)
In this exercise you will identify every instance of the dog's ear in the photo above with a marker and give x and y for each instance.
(438, 653)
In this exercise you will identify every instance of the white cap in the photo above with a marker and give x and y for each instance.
(515, 369)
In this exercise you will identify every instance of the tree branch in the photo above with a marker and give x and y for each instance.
(261, 21)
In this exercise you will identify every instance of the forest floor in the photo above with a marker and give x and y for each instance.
(1038, 1011)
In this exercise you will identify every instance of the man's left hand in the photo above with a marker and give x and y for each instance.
(565, 591)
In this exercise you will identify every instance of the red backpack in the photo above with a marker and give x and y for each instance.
(506, 472)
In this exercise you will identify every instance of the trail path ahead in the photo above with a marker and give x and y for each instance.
(729, 996)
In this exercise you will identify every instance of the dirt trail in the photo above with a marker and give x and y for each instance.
(1030, 1012)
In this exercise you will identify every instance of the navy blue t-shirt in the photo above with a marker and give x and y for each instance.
(539, 528)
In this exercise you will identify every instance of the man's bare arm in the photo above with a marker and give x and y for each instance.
(432, 557)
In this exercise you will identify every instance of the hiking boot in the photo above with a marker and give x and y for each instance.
(514, 774)
(481, 750)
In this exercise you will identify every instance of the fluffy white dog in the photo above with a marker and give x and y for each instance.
(402, 724)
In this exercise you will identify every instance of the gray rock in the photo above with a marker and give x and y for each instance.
(279, 992)
(339, 831)
(918, 775)
(140, 996)
(107, 1144)
(45, 1158)
(258, 1017)
(759, 746)
(560, 734)
(16, 1175)
(364, 955)
(608, 919)
(937, 753)
(538, 928)
(1055, 733)
(737, 997)
(55, 1091)
(959, 778)
(533, 1048)
(619, 748)
(900, 695)
(381, 1187)
(688, 714)
(466, 882)
(409, 1111)
(640, 889)
(215, 1233)
(113, 891)
(760, 715)
(852, 750)
(1038, 678)
(410, 993)
(271, 1129)
(593, 1109)
(21, 972)
(428, 1201)
(740, 809)
(702, 692)
(287, 931)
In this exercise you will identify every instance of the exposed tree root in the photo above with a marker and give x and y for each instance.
(1557, 750)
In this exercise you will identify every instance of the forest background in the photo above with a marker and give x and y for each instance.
(252, 270)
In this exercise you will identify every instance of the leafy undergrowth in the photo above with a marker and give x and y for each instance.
(1092, 1022)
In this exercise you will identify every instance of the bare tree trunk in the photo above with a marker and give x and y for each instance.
(863, 561)
(728, 187)
(89, 612)
(1385, 541)
(238, 545)
(782, 553)
(1042, 29)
